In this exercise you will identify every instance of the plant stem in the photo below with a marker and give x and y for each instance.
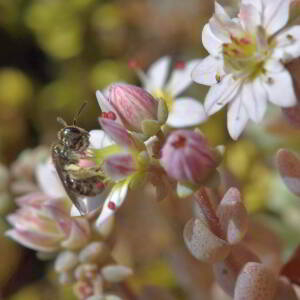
(204, 203)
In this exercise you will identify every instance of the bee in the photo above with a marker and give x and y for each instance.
(73, 142)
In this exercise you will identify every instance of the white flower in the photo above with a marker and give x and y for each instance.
(245, 66)
(183, 111)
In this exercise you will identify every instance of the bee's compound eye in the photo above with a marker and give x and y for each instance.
(71, 131)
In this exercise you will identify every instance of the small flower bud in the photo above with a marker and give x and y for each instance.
(65, 261)
(95, 252)
(187, 157)
(45, 225)
(132, 104)
(116, 273)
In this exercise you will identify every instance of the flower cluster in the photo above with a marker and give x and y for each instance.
(245, 68)
(150, 137)
(43, 223)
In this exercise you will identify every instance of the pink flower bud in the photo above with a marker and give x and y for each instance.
(187, 157)
(44, 224)
(132, 105)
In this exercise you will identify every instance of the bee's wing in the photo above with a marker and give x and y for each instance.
(76, 199)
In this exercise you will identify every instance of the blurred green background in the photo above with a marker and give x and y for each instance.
(54, 55)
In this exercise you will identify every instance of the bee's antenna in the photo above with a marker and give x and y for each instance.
(79, 112)
(61, 121)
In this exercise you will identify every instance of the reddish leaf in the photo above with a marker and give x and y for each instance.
(292, 268)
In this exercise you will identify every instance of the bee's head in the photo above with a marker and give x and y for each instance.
(73, 137)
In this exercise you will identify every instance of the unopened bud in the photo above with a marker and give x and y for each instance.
(95, 252)
(116, 273)
(187, 157)
(65, 261)
(132, 104)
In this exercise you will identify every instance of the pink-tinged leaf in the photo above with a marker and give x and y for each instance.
(289, 167)
(233, 216)
(255, 282)
(203, 244)
(291, 269)
(285, 290)
(292, 114)
(227, 271)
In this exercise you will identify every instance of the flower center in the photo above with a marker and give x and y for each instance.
(165, 95)
(245, 55)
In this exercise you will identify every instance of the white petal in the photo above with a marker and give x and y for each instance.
(275, 14)
(221, 13)
(221, 94)
(49, 181)
(222, 26)
(157, 73)
(181, 78)
(99, 139)
(280, 89)
(273, 66)
(250, 17)
(186, 112)
(102, 101)
(256, 3)
(254, 97)
(208, 71)
(113, 202)
(237, 118)
(211, 43)
(288, 44)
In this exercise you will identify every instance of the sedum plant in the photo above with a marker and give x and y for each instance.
(150, 140)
